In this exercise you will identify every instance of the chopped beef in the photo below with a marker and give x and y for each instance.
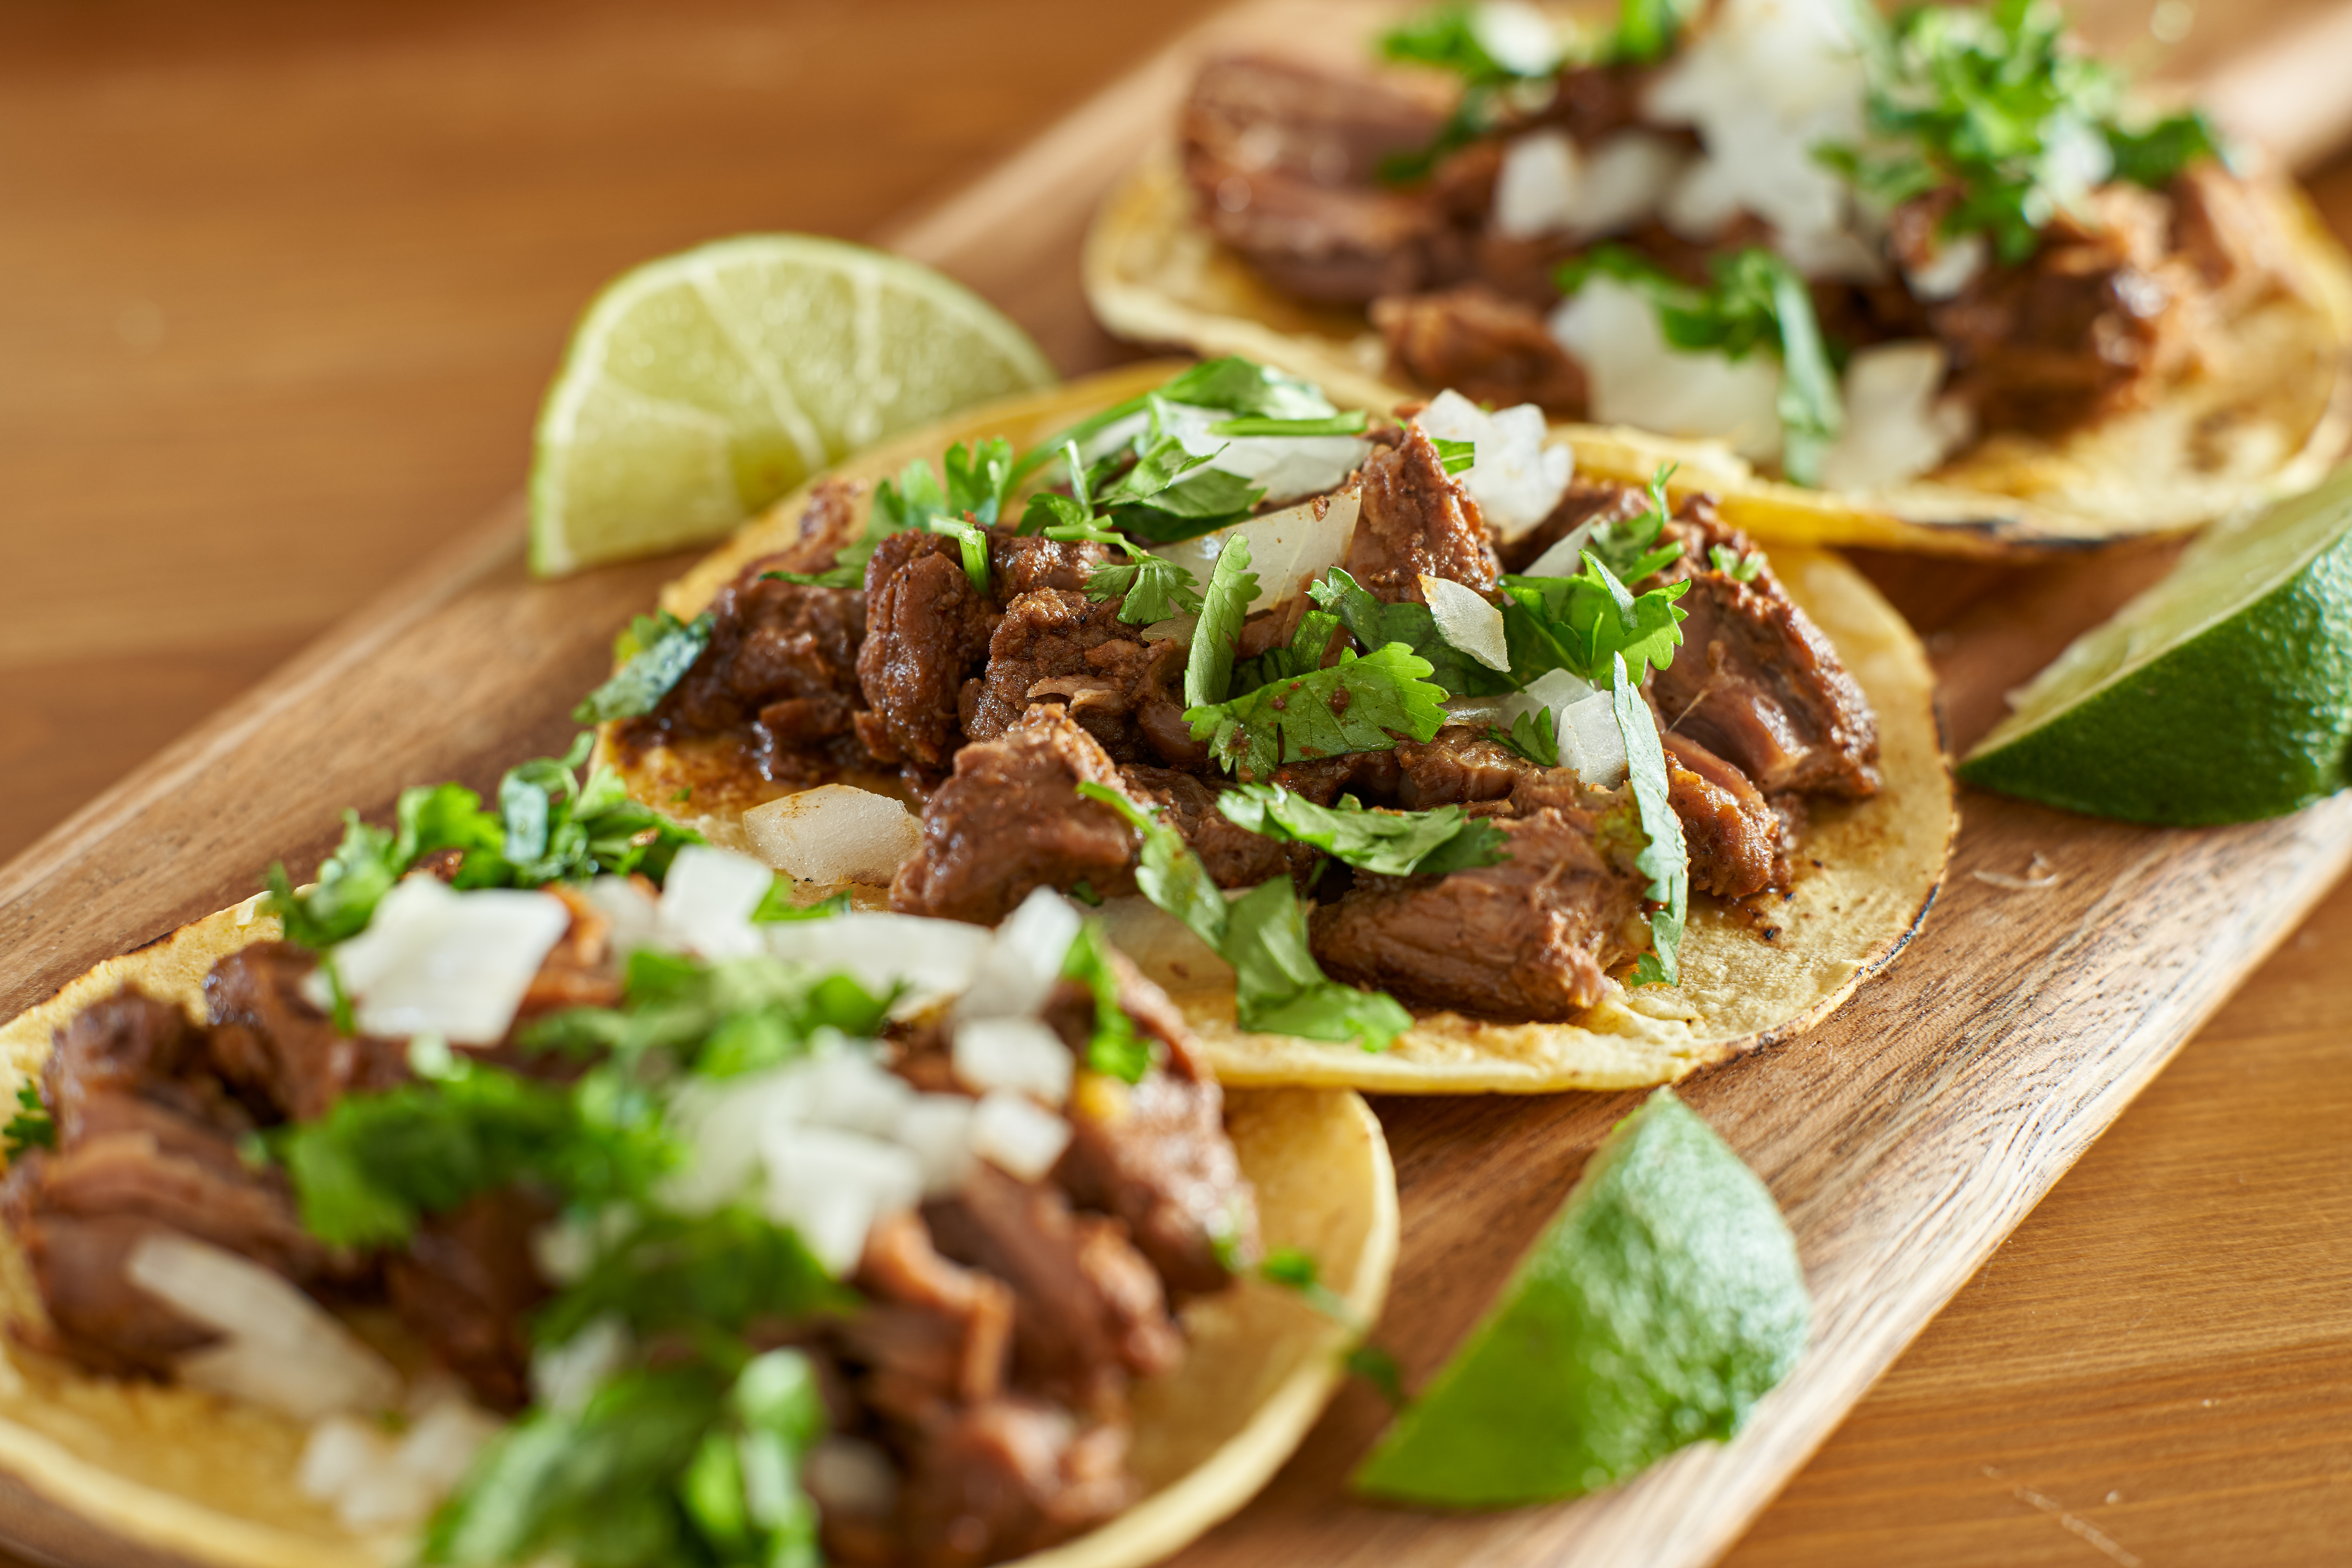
(1732, 833)
(466, 1286)
(147, 1146)
(1489, 349)
(1010, 819)
(1027, 564)
(1088, 1310)
(1530, 938)
(283, 1056)
(2230, 238)
(1233, 856)
(932, 1336)
(579, 970)
(1755, 681)
(2091, 323)
(1053, 644)
(1011, 1476)
(1154, 1154)
(782, 661)
(1600, 504)
(1457, 766)
(1285, 159)
(927, 631)
(1417, 520)
(1592, 103)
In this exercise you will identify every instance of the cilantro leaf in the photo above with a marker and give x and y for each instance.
(2155, 154)
(1154, 588)
(1665, 860)
(30, 1127)
(1356, 705)
(1627, 546)
(693, 1274)
(1115, 1048)
(1731, 564)
(1308, 646)
(1578, 623)
(1646, 30)
(1535, 736)
(1376, 624)
(1224, 606)
(718, 1020)
(1171, 494)
(1445, 37)
(663, 650)
(1456, 457)
(1278, 987)
(344, 897)
(1244, 386)
(1349, 424)
(1391, 843)
(1170, 874)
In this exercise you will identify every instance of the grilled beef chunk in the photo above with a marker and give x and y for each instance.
(580, 971)
(1416, 519)
(927, 631)
(1087, 1309)
(1456, 766)
(1154, 1154)
(933, 1334)
(1010, 819)
(284, 1057)
(146, 1146)
(1029, 563)
(1233, 856)
(1489, 349)
(1012, 1476)
(1755, 681)
(466, 1286)
(1733, 834)
(1053, 644)
(782, 662)
(1285, 159)
(1530, 938)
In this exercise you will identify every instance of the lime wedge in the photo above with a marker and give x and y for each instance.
(1660, 1304)
(2222, 694)
(700, 387)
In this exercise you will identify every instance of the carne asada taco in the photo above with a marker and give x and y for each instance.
(562, 1192)
(1400, 756)
(1932, 283)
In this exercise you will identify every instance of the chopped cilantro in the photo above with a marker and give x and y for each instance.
(30, 1127)
(1646, 30)
(1456, 457)
(780, 903)
(1578, 623)
(1665, 860)
(1376, 624)
(1446, 38)
(1153, 588)
(656, 652)
(1224, 604)
(1277, 986)
(1349, 424)
(693, 1274)
(1242, 386)
(1115, 1048)
(1731, 564)
(1535, 736)
(1359, 704)
(1171, 494)
(1310, 644)
(2152, 155)
(1391, 843)
(1631, 547)
(721, 1019)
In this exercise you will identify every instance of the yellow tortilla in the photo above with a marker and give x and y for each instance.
(97, 1469)
(2267, 423)
(1881, 859)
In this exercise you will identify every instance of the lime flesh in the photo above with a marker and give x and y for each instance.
(1658, 1306)
(2222, 694)
(702, 386)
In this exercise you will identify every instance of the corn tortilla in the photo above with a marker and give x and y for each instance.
(2267, 422)
(1880, 861)
(102, 1470)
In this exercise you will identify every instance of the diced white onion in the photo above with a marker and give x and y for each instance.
(1535, 189)
(707, 899)
(563, 1376)
(831, 1186)
(1554, 689)
(1288, 549)
(937, 1130)
(1024, 961)
(1625, 178)
(1017, 1135)
(435, 961)
(932, 958)
(1516, 36)
(280, 1348)
(835, 832)
(851, 1475)
(1564, 556)
(1467, 620)
(725, 1121)
(1548, 186)
(851, 1090)
(1018, 1055)
(634, 914)
(440, 1444)
(1953, 268)
(1516, 475)
(1590, 740)
(1284, 467)
(1636, 379)
(1898, 423)
(377, 1483)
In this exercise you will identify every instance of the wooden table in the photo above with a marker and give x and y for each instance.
(282, 287)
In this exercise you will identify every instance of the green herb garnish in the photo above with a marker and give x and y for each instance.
(1390, 843)
(656, 653)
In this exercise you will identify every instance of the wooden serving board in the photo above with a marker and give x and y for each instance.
(1904, 1138)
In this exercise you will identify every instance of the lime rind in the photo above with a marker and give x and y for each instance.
(2222, 694)
(789, 351)
(1661, 1303)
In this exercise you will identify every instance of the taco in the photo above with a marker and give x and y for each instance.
(565, 1192)
(1932, 284)
(1352, 728)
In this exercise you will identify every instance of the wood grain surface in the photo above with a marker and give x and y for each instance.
(287, 283)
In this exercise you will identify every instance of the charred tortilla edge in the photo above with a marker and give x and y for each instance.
(100, 1470)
